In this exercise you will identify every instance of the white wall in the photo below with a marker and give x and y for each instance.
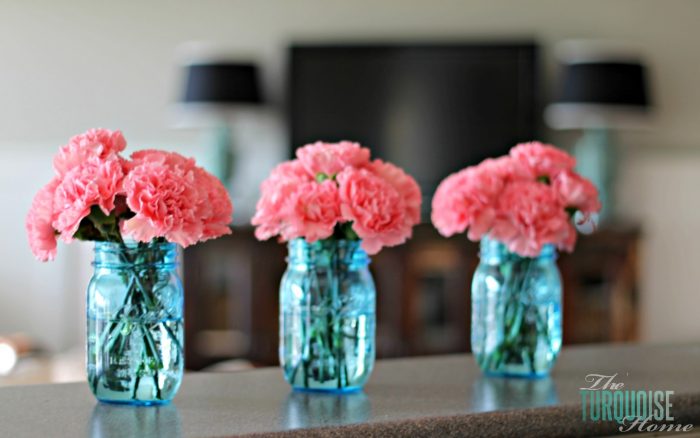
(66, 66)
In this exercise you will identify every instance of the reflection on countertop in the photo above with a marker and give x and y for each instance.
(303, 410)
(496, 393)
(110, 420)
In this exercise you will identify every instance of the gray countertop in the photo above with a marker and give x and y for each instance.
(432, 396)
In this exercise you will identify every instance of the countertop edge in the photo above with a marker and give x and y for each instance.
(541, 422)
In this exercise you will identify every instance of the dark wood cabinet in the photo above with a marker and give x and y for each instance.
(231, 303)
(423, 301)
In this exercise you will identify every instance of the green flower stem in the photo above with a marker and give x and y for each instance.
(322, 335)
(520, 338)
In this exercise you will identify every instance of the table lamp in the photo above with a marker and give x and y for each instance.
(601, 90)
(216, 88)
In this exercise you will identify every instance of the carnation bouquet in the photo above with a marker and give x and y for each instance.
(525, 199)
(333, 190)
(523, 205)
(98, 195)
(334, 206)
(136, 209)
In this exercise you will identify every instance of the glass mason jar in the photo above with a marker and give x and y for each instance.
(327, 316)
(135, 323)
(516, 311)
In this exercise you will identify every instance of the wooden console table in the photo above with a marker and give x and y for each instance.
(423, 299)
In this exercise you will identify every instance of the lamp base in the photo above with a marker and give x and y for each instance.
(221, 152)
(596, 160)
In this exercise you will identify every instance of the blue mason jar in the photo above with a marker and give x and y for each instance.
(516, 311)
(327, 316)
(135, 323)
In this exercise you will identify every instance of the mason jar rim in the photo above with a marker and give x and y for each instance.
(300, 249)
(132, 244)
(107, 254)
(493, 248)
(340, 242)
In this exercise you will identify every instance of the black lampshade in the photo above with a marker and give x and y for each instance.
(222, 83)
(607, 83)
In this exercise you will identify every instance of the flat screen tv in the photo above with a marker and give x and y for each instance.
(431, 109)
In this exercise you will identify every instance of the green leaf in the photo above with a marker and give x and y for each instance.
(350, 234)
(98, 217)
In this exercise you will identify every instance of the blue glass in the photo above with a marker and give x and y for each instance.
(327, 316)
(135, 323)
(516, 311)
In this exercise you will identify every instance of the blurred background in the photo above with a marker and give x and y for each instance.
(431, 85)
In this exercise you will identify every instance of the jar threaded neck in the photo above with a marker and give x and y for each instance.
(121, 255)
(327, 252)
(495, 251)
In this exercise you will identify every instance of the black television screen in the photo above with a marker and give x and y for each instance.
(431, 109)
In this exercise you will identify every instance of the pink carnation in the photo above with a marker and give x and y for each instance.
(161, 190)
(376, 209)
(529, 216)
(577, 192)
(276, 191)
(172, 159)
(289, 172)
(542, 160)
(404, 184)
(100, 143)
(93, 182)
(331, 158)
(505, 168)
(42, 236)
(467, 198)
(215, 208)
(313, 211)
